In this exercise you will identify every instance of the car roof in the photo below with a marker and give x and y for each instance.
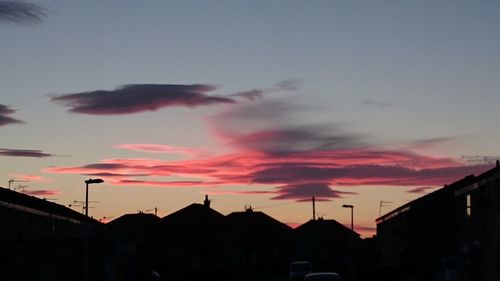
(327, 276)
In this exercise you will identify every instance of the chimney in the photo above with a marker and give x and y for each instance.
(206, 203)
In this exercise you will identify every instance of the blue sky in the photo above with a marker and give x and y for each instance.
(391, 76)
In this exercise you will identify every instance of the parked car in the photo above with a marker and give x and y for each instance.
(299, 269)
(323, 276)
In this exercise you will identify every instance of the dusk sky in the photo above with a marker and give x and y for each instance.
(261, 103)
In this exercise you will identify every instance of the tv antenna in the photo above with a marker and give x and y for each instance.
(20, 187)
(382, 204)
(11, 181)
(77, 203)
(150, 210)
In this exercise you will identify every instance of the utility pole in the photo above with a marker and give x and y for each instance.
(314, 208)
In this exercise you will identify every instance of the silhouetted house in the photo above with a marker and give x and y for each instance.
(459, 221)
(479, 226)
(136, 250)
(264, 244)
(42, 240)
(196, 241)
(327, 244)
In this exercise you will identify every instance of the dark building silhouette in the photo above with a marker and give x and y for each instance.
(42, 240)
(263, 243)
(459, 222)
(136, 246)
(196, 241)
(327, 245)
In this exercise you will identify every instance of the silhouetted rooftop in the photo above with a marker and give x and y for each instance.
(194, 214)
(138, 220)
(253, 219)
(446, 188)
(325, 226)
(32, 204)
(140, 226)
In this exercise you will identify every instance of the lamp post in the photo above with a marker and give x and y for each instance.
(86, 239)
(87, 182)
(351, 239)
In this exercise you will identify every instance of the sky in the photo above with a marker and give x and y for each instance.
(254, 103)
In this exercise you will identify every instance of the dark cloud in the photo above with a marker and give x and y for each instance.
(111, 175)
(304, 192)
(250, 95)
(105, 166)
(421, 190)
(4, 119)
(362, 174)
(296, 139)
(23, 153)
(136, 98)
(21, 12)
(282, 86)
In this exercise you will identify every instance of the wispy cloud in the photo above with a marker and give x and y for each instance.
(480, 159)
(42, 192)
(21, 12)
(381, 104)
(254, 94)
(160, 148)
(293, 139)
(6, 120)
(24, 153)
(31, 178)
(137, 98)
(278, 156)
(296, 176)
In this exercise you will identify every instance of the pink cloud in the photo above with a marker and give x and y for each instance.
(295, 176)
(42, 192)
(298, 161)
(237, 192)
(31, 178)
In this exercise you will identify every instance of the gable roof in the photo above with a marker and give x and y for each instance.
(257, 220)
(33, 205)
(139, 220)
(194, 214)
(331, 226)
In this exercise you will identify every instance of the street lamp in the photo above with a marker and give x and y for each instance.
(86, 240)
(87, 182)
(351, 239)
